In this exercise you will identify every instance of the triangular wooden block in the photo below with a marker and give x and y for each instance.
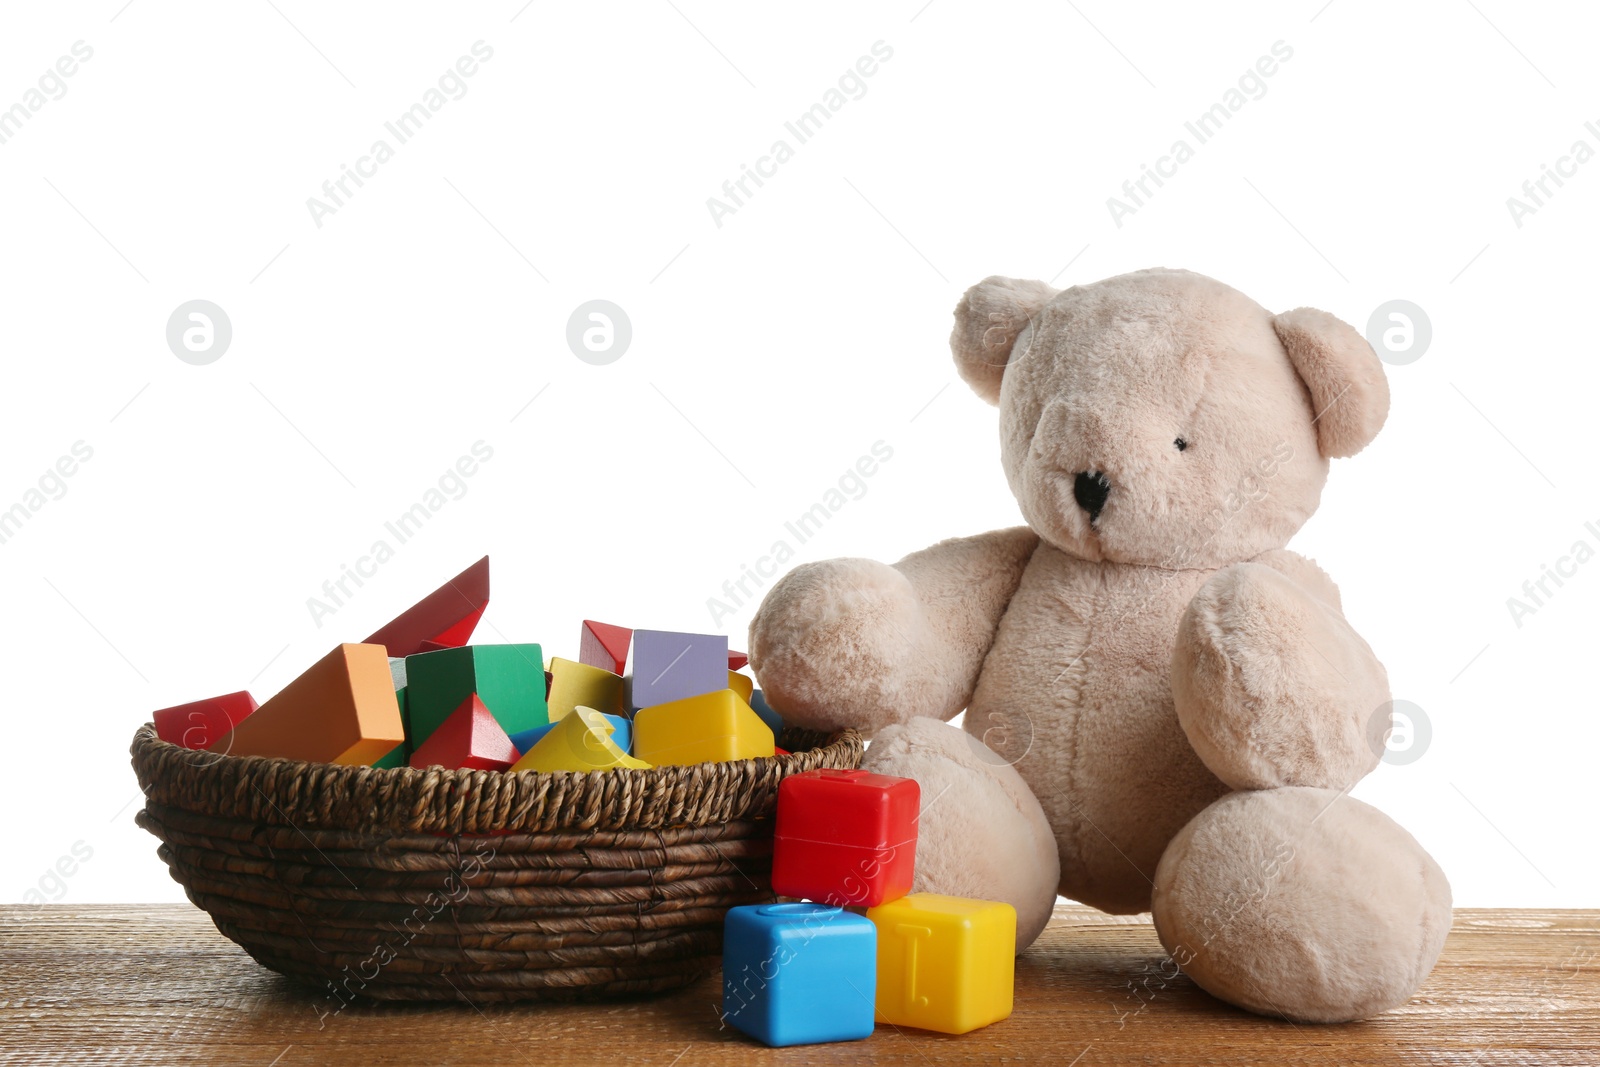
(581, 741)
(470, 739)
(445, 617)
(604, 645)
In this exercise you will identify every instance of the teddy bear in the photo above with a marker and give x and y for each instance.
(1165, 707)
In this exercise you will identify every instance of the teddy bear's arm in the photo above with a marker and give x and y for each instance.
(1270, 682)
(858, 643)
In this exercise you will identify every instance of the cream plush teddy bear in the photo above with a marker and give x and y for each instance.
(1165, 707)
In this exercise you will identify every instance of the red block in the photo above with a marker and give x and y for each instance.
(442, 619)
(847, 838)
(737, 660)
(604, 645)
(205, 722)
(469, 738)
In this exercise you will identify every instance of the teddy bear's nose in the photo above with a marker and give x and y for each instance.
(1090, 489)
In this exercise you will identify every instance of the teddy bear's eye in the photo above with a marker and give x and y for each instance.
(1181, 443)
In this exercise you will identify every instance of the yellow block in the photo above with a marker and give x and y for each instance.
(575, 685)
(945, 963)
(742, 684)
(581, 741)
(707, 728)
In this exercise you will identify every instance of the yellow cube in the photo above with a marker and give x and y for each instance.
(574, 684)
(707, 728)
(945, 963)
(579, 742)
(742, 684)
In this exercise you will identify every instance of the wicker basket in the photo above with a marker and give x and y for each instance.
(434, 885)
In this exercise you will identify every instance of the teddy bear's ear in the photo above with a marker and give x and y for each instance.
(988, 319)
(1348, 388)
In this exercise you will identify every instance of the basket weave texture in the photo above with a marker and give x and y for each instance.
(402, 884)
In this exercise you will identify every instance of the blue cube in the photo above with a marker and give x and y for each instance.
(799, 974)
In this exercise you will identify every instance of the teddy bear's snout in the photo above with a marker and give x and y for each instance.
(1090, 489)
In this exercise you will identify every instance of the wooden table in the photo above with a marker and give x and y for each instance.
(158, 984)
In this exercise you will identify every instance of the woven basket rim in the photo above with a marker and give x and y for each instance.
(275, 790)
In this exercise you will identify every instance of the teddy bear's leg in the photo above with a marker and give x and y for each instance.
(857, 643)
(981, 833)
(1301, 903)
(1272, 686)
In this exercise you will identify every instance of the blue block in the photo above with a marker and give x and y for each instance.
(668, 666)
(526, 739)
(799, 974)
(622, 735)
(759, 705)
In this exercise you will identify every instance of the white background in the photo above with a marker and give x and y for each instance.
(429, 312)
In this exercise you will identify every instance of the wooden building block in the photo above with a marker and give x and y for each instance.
(707, 728)
(526, 739)
(469, 739)
(444, 618)
(574, 684)
(203, 723)
(341, 710)
(621, 734)
(669, 666)
(509, 679)
(580, 741)
(604, 645)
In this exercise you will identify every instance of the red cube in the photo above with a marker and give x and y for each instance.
(847, 838)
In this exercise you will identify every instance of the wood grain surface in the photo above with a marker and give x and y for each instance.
(152, 984)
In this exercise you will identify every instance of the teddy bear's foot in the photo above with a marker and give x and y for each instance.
(1301, 903)
(981, 832)
(1273, 687)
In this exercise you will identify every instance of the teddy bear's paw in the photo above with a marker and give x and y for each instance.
(1273, 687)
(1301, 903)
(981, 833)
(837, 644)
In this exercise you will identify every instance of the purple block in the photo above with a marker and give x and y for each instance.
(671, 666)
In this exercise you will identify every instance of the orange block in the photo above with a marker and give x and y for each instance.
(342, 710)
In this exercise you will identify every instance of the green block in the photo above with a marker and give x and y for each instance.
(509, 679)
